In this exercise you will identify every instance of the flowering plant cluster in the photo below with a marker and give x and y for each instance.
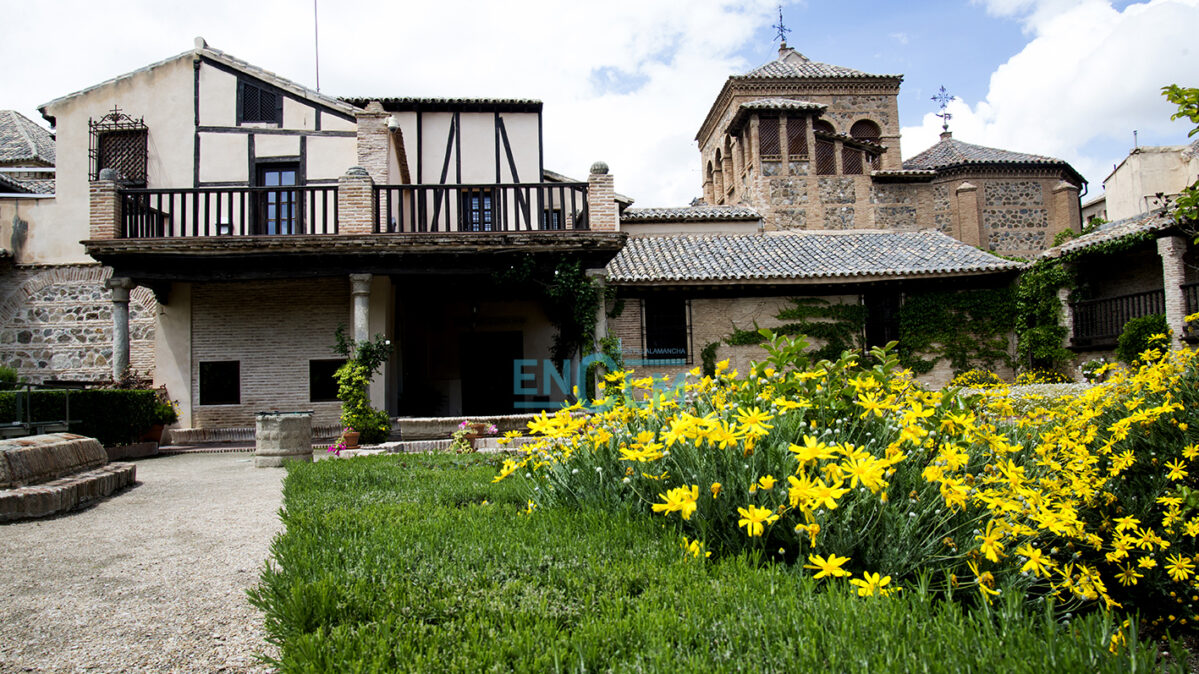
(461, 443)
(853, 470)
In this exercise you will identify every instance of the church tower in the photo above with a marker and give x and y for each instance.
(798, 140)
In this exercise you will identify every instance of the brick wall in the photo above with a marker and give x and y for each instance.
(273, 328)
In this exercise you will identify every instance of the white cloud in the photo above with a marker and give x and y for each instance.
(630, 85)
(1089, 76)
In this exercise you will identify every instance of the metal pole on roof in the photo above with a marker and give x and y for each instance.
(316, 45)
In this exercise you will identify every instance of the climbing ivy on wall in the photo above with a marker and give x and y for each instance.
(839, 326)
(969, 328)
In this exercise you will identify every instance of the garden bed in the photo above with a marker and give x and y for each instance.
(419, 563)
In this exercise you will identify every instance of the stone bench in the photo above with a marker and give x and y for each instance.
(48, 474)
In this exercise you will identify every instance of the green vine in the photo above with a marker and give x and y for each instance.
(1039, 330)
(839, 326)
(968, 328)
(572, 299)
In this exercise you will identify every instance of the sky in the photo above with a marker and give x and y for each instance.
(630, 81)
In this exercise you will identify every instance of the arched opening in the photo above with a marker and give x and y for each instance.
(864, 129)
(718, 178)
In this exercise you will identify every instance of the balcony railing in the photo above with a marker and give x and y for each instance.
(228, 211)
(480, 208)
(1100, 322)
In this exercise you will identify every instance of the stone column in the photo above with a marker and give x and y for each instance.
(104, 208)
(599, 278)
(120, 324)
(355, 202)
(1171, 250)
(601, 200)
(1063, 297)
(360, 289)
(968, 226)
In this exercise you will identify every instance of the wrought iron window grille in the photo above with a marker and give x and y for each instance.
(118, 142)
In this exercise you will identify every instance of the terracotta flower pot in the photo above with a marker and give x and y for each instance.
(154, 434)
(351, 439)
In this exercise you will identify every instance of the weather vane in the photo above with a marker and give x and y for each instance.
(781, 35)
(944, 97)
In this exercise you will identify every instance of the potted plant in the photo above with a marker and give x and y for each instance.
(363, 362)
(164, 414)
(349, 438)
(468, 432)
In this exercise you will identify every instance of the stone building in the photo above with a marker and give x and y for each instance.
(1145, 180)
(212, 223)
(805, 196)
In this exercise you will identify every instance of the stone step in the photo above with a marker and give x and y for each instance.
(42, 458)
(66, 493)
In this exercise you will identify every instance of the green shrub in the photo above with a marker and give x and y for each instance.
(1140, 335)
(976, 379)
(8, 375)
(420, 564)
(113, 417)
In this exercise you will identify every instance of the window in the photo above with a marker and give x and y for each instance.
(258, 104)
(551, 218)
(322, 382)
(276, 210)
(478, 211)
(826, 160)
(118, 142)
(882, 317)
(666, 330)
(851, 160)
(220, 383)
(768, 137)
(797, 137)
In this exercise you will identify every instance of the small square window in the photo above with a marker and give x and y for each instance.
(258, 104)
(322, 384)
(220, 383)
(667, 330)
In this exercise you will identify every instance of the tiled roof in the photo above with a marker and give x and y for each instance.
(397, 104)
(748, 108)
(22, 140)
(793, 256)
(703, 213)
(219, 56)
(792, 64)
(949, 153)
(1154, 221)
(14, 183)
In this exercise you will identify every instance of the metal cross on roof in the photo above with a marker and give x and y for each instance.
(944, 97)
(781, 34)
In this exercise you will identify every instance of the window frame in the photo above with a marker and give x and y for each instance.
(485, 210)
(647, 329)
(260, 88)
(324, 362)
(201, 375)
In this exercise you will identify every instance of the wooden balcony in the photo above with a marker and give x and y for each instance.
(228, 211)
(516, 207)
(1099, 322)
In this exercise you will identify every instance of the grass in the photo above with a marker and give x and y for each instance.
(396, 564)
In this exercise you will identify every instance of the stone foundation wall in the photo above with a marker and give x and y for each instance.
(56, 323)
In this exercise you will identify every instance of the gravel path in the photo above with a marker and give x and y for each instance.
(152, 579)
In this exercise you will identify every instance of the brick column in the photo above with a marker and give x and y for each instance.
(360, 290)
(968, 227)
(1171, 250)
(104, 211)
(1065, 214)
(355, 202)
(374, 141)
(599, 278)
(601, 200)
(120, 288)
